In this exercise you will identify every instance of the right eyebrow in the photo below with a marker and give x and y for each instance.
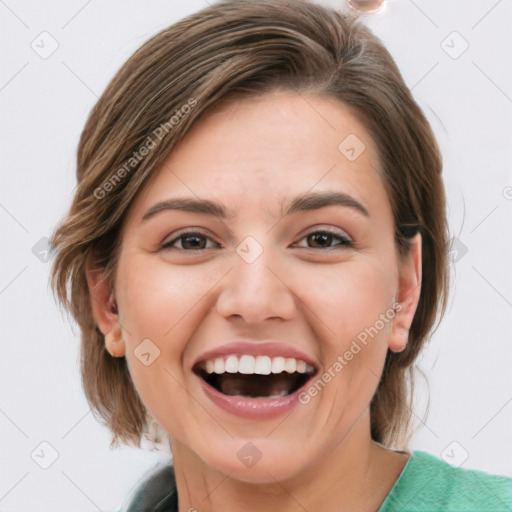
(188, 205)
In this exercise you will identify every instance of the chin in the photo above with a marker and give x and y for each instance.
(259, 462)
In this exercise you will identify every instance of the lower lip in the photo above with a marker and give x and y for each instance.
(253, 408)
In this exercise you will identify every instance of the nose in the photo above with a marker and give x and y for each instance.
(256, 290)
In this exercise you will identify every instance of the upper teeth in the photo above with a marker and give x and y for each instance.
(261, 365)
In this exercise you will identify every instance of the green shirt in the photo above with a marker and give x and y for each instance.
(429, 484)
(426, 484)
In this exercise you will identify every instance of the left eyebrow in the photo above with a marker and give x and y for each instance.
(316, 200)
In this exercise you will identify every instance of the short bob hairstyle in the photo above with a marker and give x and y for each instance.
(244, 48)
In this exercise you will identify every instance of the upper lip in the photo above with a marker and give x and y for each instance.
(253, 348)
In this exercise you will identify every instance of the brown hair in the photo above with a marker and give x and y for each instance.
(245, 47)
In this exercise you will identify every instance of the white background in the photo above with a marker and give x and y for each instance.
(43, 106)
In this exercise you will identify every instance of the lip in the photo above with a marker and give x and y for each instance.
(253, 348)
(253, 408)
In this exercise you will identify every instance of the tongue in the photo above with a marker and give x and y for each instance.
(257, 385)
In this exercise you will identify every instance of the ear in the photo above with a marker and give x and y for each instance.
(408, 295)
(104, 309)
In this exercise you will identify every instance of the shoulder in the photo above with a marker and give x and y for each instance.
(428, 483)
(155, 492)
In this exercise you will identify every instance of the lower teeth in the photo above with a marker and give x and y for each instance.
(282, 393)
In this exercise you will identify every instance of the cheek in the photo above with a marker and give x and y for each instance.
(350, 298)
(157, 300)
(163, 304)
(160, 303)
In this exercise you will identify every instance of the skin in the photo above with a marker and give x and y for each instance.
(253, 156)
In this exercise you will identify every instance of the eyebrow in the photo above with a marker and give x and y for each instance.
(306, 202)
(316, 200)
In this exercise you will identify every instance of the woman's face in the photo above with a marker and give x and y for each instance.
(300, 265)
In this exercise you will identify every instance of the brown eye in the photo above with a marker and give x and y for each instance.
(192, 242)
(320, 239)
(189, 242)
(326, 240)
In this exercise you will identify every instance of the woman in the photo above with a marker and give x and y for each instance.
(256, 252)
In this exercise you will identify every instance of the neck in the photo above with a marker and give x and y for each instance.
(357, 474)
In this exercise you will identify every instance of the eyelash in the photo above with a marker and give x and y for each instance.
(344, 241)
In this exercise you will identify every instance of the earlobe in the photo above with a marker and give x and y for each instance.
(408, 295)
(398, 341)
(104, 310)
(114, 342)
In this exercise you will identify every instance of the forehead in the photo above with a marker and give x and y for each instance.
(263, 151)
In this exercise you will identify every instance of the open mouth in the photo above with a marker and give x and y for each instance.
(255, 377)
